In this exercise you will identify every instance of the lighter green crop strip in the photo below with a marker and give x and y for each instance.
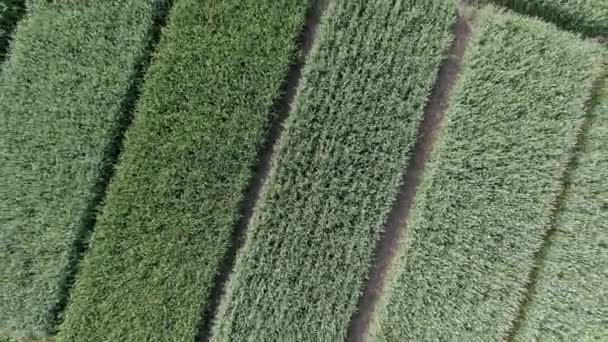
(589, 17)
(61, 91)
(187, 160)
(485, 203)
(570, 299)
(336, 174)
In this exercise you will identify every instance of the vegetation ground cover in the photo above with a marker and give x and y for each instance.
(507, 238)
(589, 17)
(336, 173)
(61, 92)
(487, 196)
(187, 159)
(569, 300)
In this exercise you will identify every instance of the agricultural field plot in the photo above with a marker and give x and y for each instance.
(188, 157)
(488, 194)
(303, 170)
(569, 300)
(589, 17)
(336, 172)
(61, 96)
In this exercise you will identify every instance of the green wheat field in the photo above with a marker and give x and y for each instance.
(303, 170)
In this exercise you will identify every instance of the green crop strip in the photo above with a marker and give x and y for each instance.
(589, 17)
(10, 12)
(569, 300)
(172, 206)
(486, 200)
(61, 104)
(336, 173)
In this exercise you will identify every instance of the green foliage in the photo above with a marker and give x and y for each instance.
(60, 98)
(586, 16)
(570, 299)
(488, 194)
(187, 160)
(335, 177)
(10, 12)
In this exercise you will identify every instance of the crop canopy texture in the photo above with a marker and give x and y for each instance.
(570, 298)
(61, 96)
(188, 157)
(586, 16)
(336, 174)
(487, 197)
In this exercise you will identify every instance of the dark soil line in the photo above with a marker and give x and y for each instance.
(602, 40)
(386, 248)
(547, 14)
(566, 180)
(279, 111)
(111, 154)
(9, 18)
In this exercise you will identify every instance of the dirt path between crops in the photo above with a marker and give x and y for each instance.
(280, 110)
(433, 114)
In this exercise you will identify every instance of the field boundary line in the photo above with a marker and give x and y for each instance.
(10, 25)
(566, 180)
(430, 126)
(279, 112)
(111, 154)
(547, 19)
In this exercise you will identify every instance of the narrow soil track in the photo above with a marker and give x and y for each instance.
(280, 110)
(568, 172)
(434, 111)
(111, 154)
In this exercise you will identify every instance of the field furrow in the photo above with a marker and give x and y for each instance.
(187, 160)
(337, 170)
(61, 104)
(485, 204)
(10, 12)
(589, 17)
(569, 299)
